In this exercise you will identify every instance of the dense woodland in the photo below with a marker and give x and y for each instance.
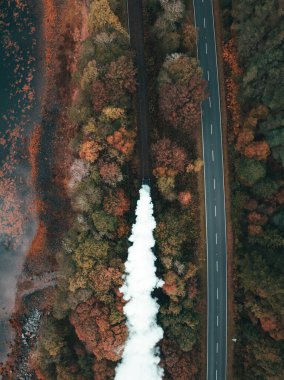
(176, 94)
(253, 56)
(86, 320)
(82, 336)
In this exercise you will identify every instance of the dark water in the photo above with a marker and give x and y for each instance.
(20, 88)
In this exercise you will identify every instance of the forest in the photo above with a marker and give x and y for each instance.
(83, 334)
(254, 75)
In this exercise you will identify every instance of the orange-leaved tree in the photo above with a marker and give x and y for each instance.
(122, 140)
(258, 150)
(90, 150)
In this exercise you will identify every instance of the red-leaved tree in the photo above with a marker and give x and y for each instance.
(181, 91)
(121, 77)
(169, 155)
(100, 96)
(110, 172)
(92, 324)
(116, 203)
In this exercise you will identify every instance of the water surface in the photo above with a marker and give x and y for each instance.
(20, 87)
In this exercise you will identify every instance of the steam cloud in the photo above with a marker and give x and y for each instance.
(140, 358)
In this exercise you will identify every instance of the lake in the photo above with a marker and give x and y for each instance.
(20, 88)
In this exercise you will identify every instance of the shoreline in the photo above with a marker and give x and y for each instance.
(50, 159)
(45, 157)
(21, 88)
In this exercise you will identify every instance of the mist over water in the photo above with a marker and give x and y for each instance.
(140, 358)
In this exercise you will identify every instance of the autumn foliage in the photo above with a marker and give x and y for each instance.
(169, 155)
(176, 167)
(121, 76)
(245, 137)
(100, 95)
(184, 198)
(110, 172)
(102, 370)
(255, 108)
(90, 151)
(258, 150)
(181, 90)
(92, 325)
(257, 218)
(117, 203)
(102, 17)
(179, 365)
(123, 141)
(34, 147)
(232, 87)
(85, 332)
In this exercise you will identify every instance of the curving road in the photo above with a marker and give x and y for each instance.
(214, 196)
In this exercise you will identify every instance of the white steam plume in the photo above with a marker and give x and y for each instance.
(140, 360)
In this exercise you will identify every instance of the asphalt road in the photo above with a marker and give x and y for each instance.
(136, 32)
(214, 197)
